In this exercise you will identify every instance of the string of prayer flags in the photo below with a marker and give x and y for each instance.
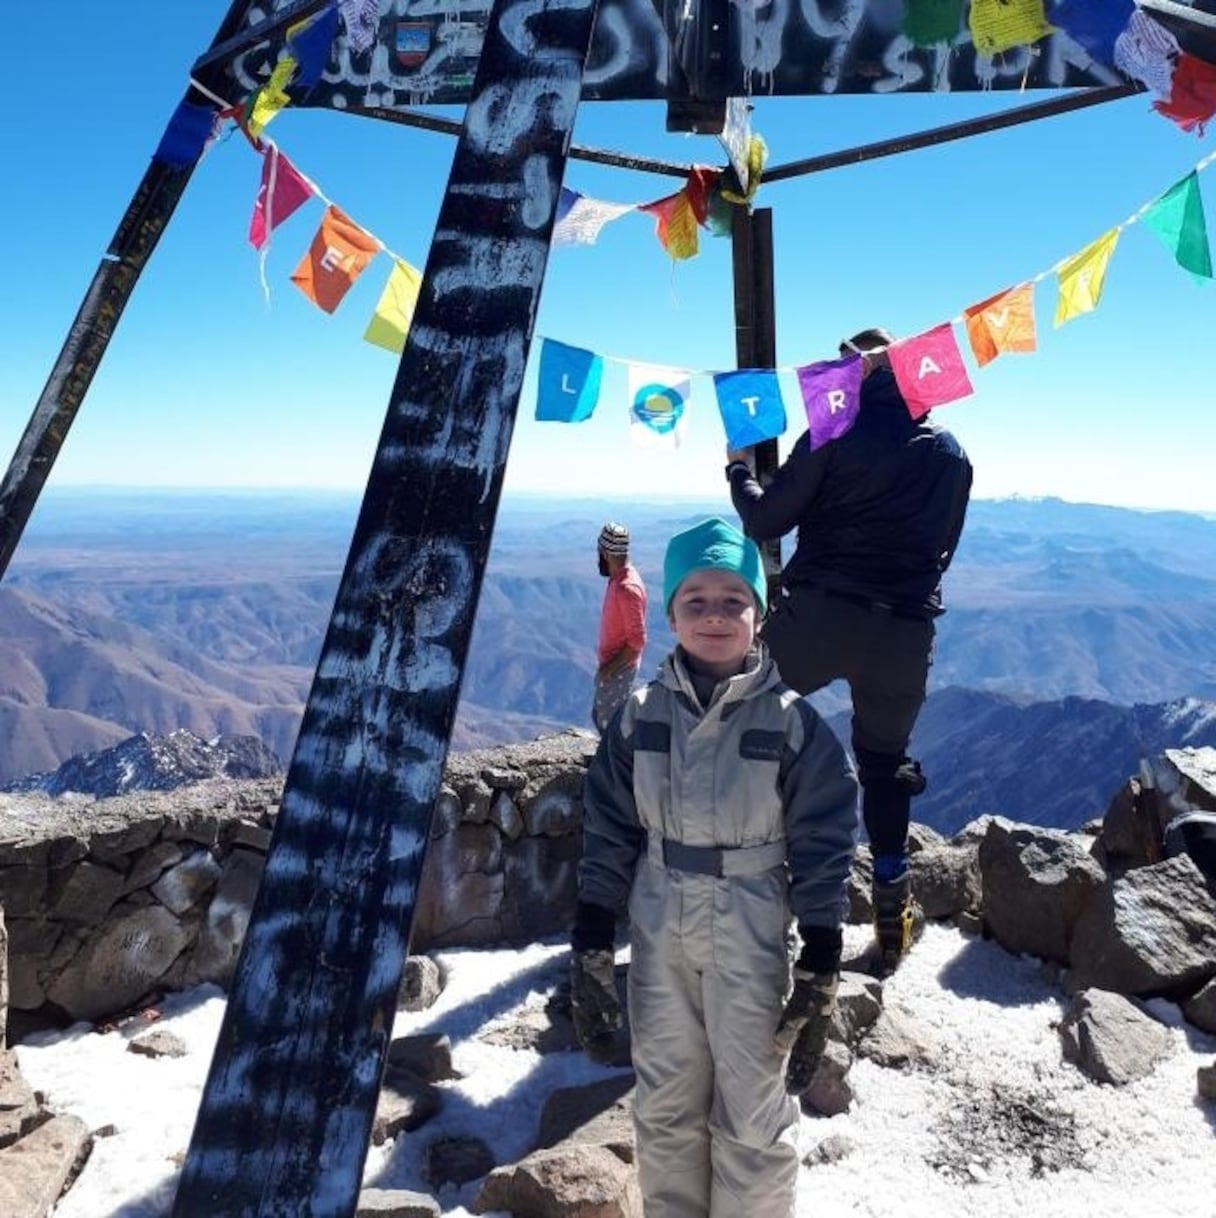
(568, 384)
(675, 224)
(1081, 277)
(580, 218)
(1192, 99)
(339, 254)
(1002, 323)
(932, 22)
(186, 135)
(283, 190)
(1001, 25)
(395, 309)
(1095, 27)
(1177, 218)
(271, 97)
(658, 405)
(749, 401)
(831, 393)
(929, 370)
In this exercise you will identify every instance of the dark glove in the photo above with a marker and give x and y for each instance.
(594, 1002)
(802, 1030)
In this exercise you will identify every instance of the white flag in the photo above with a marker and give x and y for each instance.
(579, 219)
(658, 405)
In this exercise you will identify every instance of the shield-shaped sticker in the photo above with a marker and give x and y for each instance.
(413, 42)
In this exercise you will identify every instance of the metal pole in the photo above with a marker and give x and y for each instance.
(287, 1111)
(139, 231)
(756, 337)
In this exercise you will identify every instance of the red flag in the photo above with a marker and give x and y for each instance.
(1192, 99)
(929, 369)
(675, 224)
(283, 190)
(339, 253)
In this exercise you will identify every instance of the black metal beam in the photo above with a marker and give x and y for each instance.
(287, 1111)
(223, 53)
(140, 229)
(953, 131)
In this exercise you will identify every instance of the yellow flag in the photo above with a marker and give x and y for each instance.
(395, 309)
(273, 96)
(1082, 277)
(999, 25)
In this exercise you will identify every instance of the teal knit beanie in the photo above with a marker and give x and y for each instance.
(713, 545)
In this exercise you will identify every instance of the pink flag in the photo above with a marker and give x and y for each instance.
(929, 370)
(283, 189)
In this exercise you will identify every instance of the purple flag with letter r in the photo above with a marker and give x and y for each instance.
(831, 392)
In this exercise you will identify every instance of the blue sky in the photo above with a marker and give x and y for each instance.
(207, 385)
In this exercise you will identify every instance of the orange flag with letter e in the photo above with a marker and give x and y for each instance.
(339, 254)
(1002, 323)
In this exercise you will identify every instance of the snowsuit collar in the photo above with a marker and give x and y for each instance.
(759, 673)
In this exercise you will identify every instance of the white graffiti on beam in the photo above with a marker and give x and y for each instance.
(518, 17)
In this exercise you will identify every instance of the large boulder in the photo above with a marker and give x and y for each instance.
(1111, 1039)
(566, 1182)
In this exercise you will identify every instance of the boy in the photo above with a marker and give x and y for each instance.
(717, 799)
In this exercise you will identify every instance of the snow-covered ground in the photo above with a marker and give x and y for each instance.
(1000, 1126)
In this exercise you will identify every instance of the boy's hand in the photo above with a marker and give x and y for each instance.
(594, 1002)
(802, 1030)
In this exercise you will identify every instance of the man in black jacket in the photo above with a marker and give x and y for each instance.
(879, 513)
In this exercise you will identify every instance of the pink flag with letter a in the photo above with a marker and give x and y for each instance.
(929, 370)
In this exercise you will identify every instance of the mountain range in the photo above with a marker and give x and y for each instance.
(142, 611)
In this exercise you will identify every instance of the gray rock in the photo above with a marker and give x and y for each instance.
(556, 807)
(84, 893)
(946, 879)
(223, 929)
(861, 875)
(595, 1114)
(406, 1103)
(1110, 1039)
(19, 1110)
(22, 890)
(427, 1056)
(119, 963)
(456, 1161)
(34, 1170)
(830, 1092)
(858, 1005)
(1036, 885)
(1131, 830)
(898, 1040)
(832, 1149)
(396, 1203)
(149, 866)
(3, 980)
(159, 1042)
(538, 1031)
(1205, 1082)
(566, 1182)
(506, 816)
(1150, 932)
(421, 984)
(182, 887)
(1200, 1009)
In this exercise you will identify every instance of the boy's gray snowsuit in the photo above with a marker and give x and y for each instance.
(753, 783)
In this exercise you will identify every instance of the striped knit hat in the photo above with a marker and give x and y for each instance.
(614, 540)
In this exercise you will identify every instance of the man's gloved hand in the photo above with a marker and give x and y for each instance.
(594, 1002)
(802, 1030)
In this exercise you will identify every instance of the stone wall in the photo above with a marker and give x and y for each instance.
(108, 901)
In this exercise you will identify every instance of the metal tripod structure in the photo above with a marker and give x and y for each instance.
(286, 1116)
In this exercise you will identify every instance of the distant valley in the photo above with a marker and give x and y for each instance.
(149, 611)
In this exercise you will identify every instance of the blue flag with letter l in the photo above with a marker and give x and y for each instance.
(568, 386)
(751, 406)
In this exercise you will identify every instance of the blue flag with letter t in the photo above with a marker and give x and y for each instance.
(568, 386)
(751, 406)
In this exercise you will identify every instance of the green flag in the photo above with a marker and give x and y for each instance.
(927, 22)
(1177, 218)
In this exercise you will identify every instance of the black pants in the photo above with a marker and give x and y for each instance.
(815, 639)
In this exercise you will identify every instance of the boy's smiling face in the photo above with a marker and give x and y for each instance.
(713, 614)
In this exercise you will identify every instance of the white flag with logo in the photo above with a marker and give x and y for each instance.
(658, 405)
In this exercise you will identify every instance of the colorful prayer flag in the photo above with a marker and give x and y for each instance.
(658, 404)
(831, 393)
(751, 407)
(185, 136)
(272, 97)
(930, 22)
(580, 219)
(283, 190)
(1082, 277)
(310, 42)
(1192, 99)
(1000, 25)
(1146, 51)
(339, 253)
(929, 370)
(568, 385)
(1177, 218)
(395, 309)
(1002, 323)
(1094, 27)
(676, 224)
(362, 21)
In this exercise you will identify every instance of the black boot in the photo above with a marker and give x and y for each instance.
(898, 920)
